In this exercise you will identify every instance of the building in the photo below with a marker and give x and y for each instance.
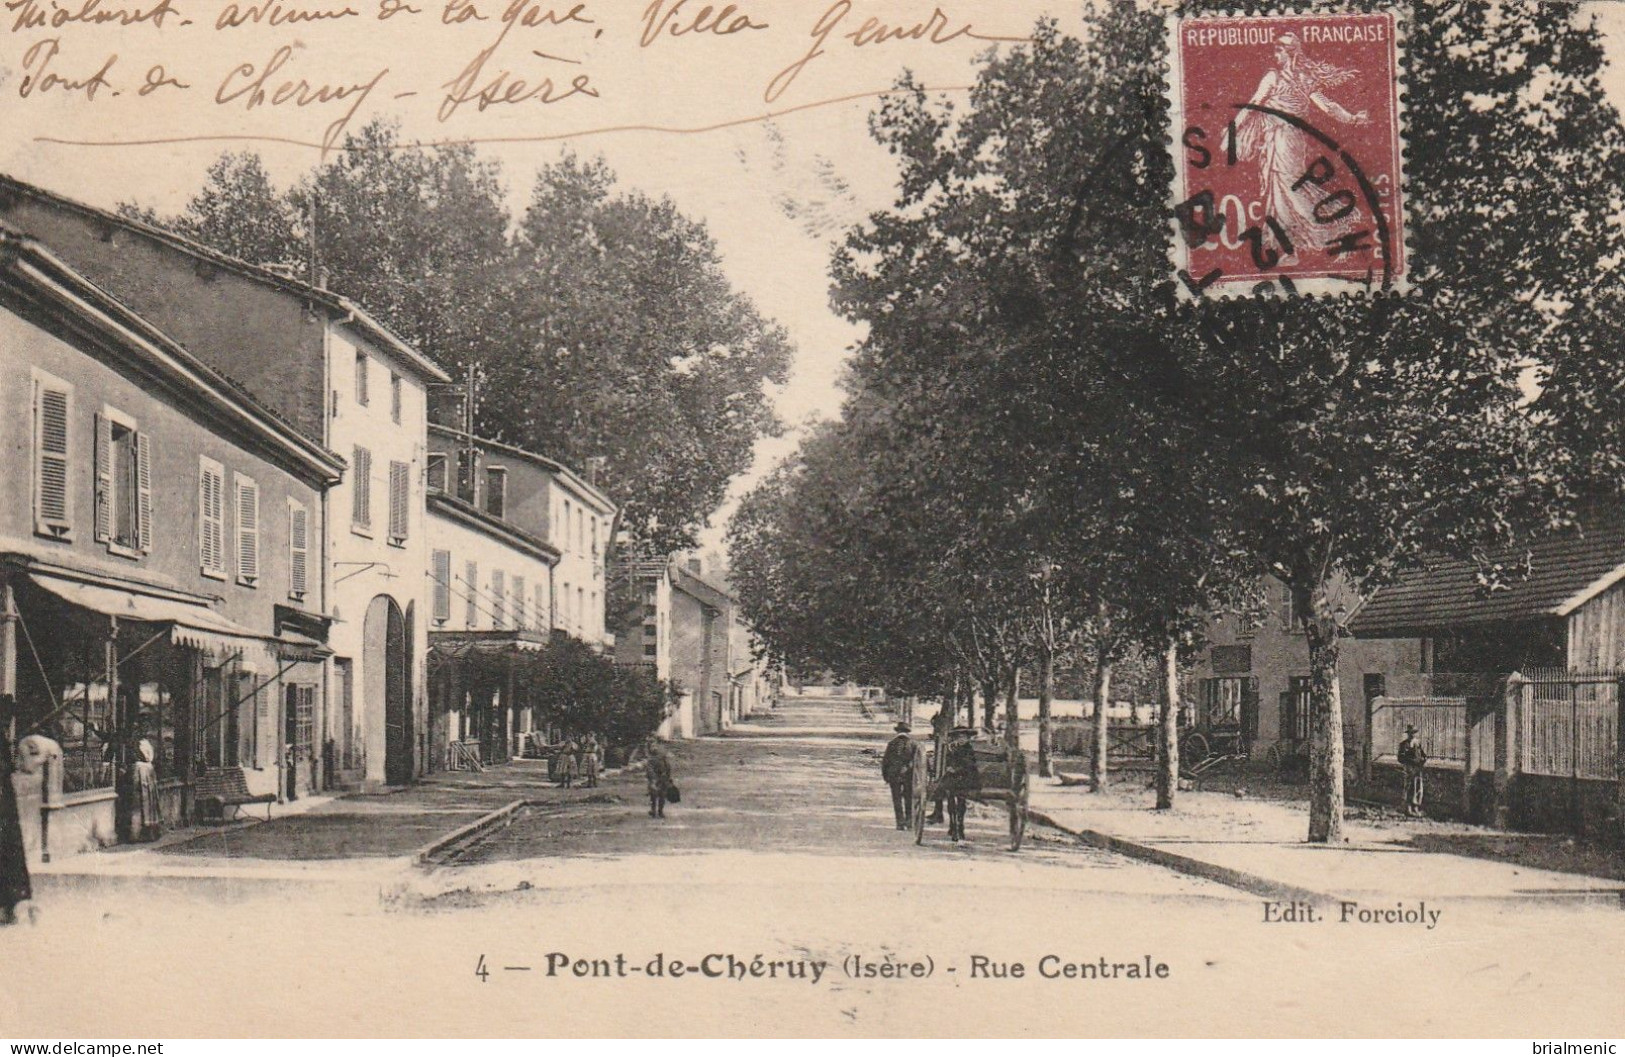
(490, 607)
(344, 382)
(650, 644)
(159, 560)
(1516, 689)
(1254, 677)
(701, 647)
(546, 500)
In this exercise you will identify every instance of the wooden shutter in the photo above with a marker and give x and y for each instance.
(53, 503)
(361, 512)
(298, 550)
(248, 531)
(211, 487)
(143, 492)
(519, 601)
(441, 571)
(399, 491)
(104, 478)
(499, 612)
(471, 580)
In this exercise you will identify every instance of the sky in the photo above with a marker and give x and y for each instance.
(756, 184)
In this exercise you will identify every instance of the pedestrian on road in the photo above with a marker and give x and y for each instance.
(959, 778)
(897, 768)
(589, 761)
(939, 736)
(569, 768)
(657, 773)
(14, 883)
(1414, 760)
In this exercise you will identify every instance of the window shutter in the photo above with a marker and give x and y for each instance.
(499, 615)
(211, 518)
(471, 579)
(104, 478)
(298, 551)
(361, 512)
(519, 601)
(442, 586)
(399, 486)
(52, 500)
(248, 531)
(143, 492)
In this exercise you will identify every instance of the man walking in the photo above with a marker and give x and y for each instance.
(1414, 760)
(959, 778)
(897, 768)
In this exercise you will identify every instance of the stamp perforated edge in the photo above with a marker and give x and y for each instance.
(1173, 95)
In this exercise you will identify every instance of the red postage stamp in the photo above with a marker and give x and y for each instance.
(1287, 154)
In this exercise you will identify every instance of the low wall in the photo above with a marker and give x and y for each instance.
(79, 822)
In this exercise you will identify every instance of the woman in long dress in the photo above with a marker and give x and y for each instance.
(1297, 86)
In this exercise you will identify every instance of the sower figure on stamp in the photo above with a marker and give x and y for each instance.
(657, 773)
(896, 767)
(1414, 759)
(959, 778)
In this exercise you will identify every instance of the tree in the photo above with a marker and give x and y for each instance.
(599, 325)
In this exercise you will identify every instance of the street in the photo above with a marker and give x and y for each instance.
(782, 854)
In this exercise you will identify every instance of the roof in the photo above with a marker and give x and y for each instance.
(503, 531)
(30, 263)
(697, 587)
(575, 480)
(336, 304)
(1566, 570)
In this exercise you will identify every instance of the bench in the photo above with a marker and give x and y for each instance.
(221, 787)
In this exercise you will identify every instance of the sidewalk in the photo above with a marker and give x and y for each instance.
(1259, 846)
(353, 837)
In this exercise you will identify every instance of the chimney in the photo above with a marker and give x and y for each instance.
(595, 467)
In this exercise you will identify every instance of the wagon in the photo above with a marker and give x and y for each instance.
(1001, 778)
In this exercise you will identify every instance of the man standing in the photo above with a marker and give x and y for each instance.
(1414, 760)
(657, 773)
(959, 778)
(897, 768)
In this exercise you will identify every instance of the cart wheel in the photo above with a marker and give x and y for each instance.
(919, 816)
(1193, 750)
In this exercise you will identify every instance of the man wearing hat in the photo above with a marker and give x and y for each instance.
(1414, 760)
(896, 769)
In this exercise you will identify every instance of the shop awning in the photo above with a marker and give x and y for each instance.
(293, 646)
(191, 625)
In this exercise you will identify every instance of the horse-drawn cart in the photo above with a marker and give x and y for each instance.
(1000, 777)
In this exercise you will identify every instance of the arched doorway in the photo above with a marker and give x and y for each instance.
(389, 692)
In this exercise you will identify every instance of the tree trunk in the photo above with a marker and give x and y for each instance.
(1168, 757)
(1100, 748)
(1046, 690)
(1325, 736)
(1012, 710)
(990, 704)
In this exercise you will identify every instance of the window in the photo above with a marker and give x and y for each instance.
(211, 527)
(123, 484)
(471, 579)
(361, 378)
(569, 540)
(499, 613)
(650, 631)
(593, 523)
(466, 461)
(53, 501)
(1231, 701)
(298, 551)
(440, 570)
(650, 650)
(496, 490)
(437, 471)
(1290, 616)
(649, 611)
(349, 746)
(581, 610)
(581, 528)
(1295, 708)
(592, 607)
(400, 483)
(301, 705)
(361, 491)
(564, 605)
(519, 615)
(394, 397)
(247, 502)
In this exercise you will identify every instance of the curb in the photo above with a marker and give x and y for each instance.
(502, 816)
(1184, 864)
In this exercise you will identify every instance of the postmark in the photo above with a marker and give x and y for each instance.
(1288, 155)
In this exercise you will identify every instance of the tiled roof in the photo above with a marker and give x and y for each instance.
(1565, 571)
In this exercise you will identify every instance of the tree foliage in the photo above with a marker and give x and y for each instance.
(598, 324)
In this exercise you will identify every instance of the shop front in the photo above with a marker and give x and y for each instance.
(481, 688)
(144, 689)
